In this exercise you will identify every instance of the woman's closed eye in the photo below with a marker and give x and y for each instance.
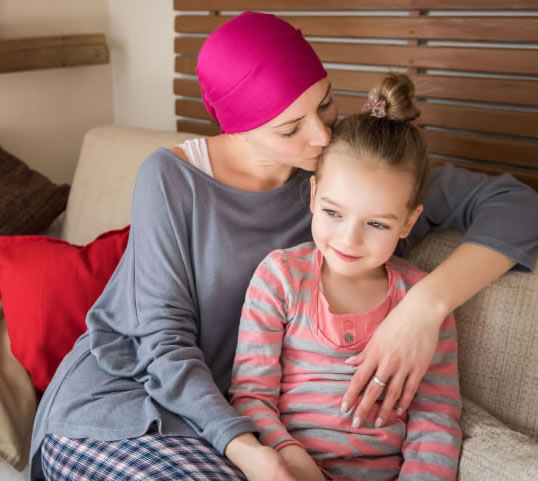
(326, 105)
(291, 133)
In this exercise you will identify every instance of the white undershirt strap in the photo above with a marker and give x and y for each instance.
(196, 151)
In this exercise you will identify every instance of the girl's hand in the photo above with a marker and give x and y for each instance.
(268, 465)
(399, 354)
(301, 464)
(258, 462)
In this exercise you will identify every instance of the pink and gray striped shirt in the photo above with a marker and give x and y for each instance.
(289, 376)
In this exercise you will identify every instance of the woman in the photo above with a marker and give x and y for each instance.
(141, 394)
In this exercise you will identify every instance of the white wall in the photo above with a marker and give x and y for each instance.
(142, 49)
(45, 113)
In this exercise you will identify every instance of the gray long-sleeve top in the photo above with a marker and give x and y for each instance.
(161, 338)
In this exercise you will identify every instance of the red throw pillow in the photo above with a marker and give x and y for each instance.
(47, 286)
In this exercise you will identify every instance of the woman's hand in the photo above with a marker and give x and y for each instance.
(399, 354)
(258, 462)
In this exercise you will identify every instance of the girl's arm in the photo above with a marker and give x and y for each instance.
(258, 462)
(432, 444)
(500, 218)
(257, 372)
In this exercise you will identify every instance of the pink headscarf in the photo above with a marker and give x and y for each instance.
(252, 68)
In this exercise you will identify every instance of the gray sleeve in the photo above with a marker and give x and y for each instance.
(498, 212)
(152, 332)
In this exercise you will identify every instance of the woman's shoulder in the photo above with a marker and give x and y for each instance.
(163, 164)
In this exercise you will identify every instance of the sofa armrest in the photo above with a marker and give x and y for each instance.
(492, 451)
(17, 405)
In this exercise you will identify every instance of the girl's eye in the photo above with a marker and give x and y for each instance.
(378, 225)
(292, 133)
(330, 213)
(326, 105)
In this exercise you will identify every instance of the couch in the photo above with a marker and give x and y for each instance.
(497, 329)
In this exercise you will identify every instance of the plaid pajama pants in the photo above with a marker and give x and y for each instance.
(150, 458)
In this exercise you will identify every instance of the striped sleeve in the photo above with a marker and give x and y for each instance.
(256, 375)
(432, 446)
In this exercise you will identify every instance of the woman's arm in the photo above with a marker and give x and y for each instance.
(401, 352)
(146, 326)
(500, 218)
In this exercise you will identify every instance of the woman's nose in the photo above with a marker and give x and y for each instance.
(321, 134)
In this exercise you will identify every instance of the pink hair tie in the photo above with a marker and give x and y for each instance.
(374, 105)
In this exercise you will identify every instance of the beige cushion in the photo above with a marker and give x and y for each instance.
(492, 451)
(498, 345)
(17, 405)
(102, 187)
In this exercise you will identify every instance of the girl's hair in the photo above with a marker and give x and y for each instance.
(385, 132)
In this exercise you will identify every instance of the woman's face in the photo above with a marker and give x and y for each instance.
(297, 135)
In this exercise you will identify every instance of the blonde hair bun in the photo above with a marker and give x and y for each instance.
(398, 92)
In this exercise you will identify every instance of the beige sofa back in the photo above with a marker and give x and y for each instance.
(102, 188)
(497, 328)
(498, 340)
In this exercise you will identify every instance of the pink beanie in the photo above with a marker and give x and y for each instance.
(252, 68)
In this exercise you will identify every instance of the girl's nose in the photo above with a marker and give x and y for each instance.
(352, 235)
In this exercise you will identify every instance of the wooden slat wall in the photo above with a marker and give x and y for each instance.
(474, 64)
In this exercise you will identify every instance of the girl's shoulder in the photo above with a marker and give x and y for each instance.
(293, 263)
(297, 256)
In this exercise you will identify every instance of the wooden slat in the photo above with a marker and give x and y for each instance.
(499, 60)
(507, 122)
(487, 149)
(504, 91)
(190, 108)
(519, 92)
(188, 45)
(525, 176)
(185, 65)
(515, 92)
(352, 4)
(187, 87)
(197, 127)
(52, 52)
(507, 29)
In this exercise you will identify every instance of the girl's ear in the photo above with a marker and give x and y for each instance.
(411, 220)
(313, 186)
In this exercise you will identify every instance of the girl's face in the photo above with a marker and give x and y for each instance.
(296, 137)
(359, 212)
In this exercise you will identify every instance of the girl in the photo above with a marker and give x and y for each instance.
(148, 380)
(310, 307)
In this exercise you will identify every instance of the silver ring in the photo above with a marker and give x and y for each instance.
(379, 381)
